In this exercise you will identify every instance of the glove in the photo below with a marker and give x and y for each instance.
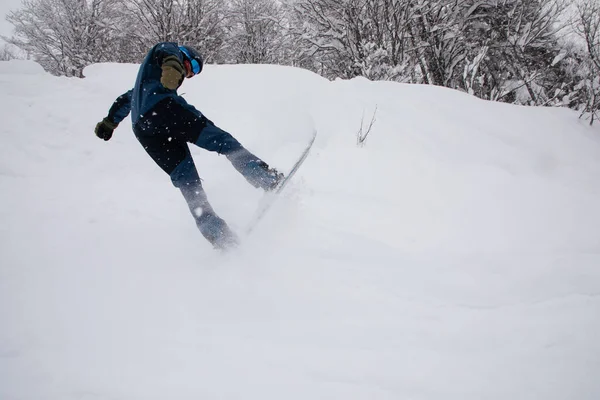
(172, 73)
(104, 129)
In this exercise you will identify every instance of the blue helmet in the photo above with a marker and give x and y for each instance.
(193, 57)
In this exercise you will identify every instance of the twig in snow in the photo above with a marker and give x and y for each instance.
(360, 136)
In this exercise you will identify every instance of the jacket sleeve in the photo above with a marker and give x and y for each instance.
(120, 108)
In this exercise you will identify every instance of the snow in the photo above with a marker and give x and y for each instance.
(559, 57)
(455, 256)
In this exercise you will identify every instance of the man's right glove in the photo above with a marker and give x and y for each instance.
(172, 73)
(104, 129)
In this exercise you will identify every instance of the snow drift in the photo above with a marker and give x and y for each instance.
(454, 256)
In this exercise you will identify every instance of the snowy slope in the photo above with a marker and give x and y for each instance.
(455, 256)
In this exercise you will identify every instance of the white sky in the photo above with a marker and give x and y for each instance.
(5, 7)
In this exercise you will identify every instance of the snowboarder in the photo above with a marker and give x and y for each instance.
(164, 123)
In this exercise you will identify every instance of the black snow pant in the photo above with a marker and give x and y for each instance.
(165, 132)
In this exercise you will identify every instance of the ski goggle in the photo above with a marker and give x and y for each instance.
(193, 62)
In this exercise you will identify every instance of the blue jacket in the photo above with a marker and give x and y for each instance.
(148, 90)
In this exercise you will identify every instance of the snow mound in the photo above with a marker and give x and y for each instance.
(453, 256)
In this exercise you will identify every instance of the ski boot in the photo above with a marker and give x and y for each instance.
(217, 232)
(270, 177)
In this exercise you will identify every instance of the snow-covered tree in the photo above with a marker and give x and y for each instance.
(6, 53)
(512, 48)
(198, 23)
(387, 46)
(587, 25)
(504, 50)
(256, 32)
(349, 38)
(438, 38)
(64, 36)
(329, 35)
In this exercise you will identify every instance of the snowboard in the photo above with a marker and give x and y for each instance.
(272, 196)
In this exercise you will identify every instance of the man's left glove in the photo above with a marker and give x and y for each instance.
(172, 73)
(104, 129)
